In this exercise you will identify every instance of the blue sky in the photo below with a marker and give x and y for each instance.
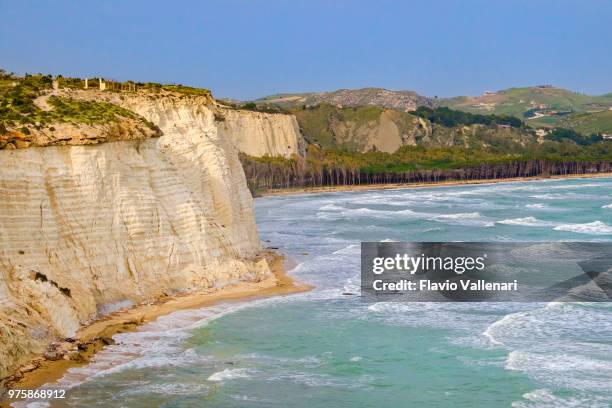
(246, 49)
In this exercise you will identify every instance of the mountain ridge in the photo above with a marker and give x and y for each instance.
(540, 105)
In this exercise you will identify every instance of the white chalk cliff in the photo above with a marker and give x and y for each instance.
(258, 134)
(86, 227)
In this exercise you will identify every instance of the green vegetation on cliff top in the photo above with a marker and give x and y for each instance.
(19, 110)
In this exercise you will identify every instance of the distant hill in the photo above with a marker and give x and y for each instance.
(365, 128)
(539, 105)
(401, 100)
(589, 122)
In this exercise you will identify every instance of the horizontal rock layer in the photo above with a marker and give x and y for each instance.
(83, 228)
(259, 134)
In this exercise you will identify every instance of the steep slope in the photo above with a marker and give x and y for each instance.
(259, 134)
(373, 128)
(402, 100)
(83, 228)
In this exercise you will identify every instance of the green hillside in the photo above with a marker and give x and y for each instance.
(367, 128)
(540, 105)
(587, 123)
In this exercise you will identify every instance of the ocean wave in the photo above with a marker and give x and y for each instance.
(489, 333)
(427, 199)
(349, 249)
(435, 229)
(528, 222)
(168, 389)
(331, 207)
(473, 218)
(343, 212)
(563, 370)
(593, 228)
(562, 196)
(307, 361)
(607, 206)
(322, 380)
(154, 345)
(537, 206)
(560, 345)
(536, 327)
(229, 374)
(470, 219)
(544, 398)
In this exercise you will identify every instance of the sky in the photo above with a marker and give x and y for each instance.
(245, 49)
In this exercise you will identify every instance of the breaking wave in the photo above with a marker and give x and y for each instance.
(593, 228)
(528, 222)
(229, 374)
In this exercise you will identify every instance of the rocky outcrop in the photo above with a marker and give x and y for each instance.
(71, 134)
(86, 228)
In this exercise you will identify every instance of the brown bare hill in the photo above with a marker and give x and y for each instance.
(401, 100)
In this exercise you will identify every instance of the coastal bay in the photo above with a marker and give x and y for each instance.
(326, 346)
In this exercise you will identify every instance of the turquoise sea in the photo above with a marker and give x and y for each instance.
(326, 349)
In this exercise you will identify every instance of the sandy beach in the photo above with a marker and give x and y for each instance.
(92, 338)
(391, 186)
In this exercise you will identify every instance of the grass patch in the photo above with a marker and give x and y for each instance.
(18, 110)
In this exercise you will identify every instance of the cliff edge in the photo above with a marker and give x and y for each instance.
(86, 228)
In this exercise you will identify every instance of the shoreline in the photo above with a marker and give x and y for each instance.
(396, 186)
(93, 337)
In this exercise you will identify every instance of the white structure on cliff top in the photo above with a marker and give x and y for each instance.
(101, 84)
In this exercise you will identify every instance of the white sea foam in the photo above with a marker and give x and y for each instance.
(313, 380)
(593, 228)
(166, 389)
(489, 333)
(473, 218)
(229, 374)
(537, 206)
(562, 196)
(607, 206)
(154, 345)
(528, 222)
(563, 370)
(544, 398)
(543, 344)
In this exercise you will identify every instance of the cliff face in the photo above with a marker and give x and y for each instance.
(83, 228)
(258, 134)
